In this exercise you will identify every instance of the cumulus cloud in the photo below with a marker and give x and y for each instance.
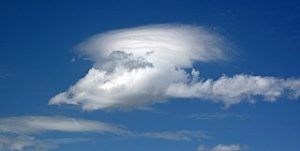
(233, 90)
(141, 66)
(221, 147)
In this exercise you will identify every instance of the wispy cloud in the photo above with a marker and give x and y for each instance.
(221, 147)
(19, 133)
(141, 66)
(215, 116)
(3, 73)
(18, 143)
(37, 124)
(183, 135)
(23, 142)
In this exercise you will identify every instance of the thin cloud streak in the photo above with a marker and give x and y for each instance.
(23, 142)
(38, 124)
(216, 116)
(221, 147)
(183, 135)
(18, 133)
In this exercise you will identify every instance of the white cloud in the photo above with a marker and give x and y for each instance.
(23, 142)
(220, 147)
(18, 133)
(141, 66)
(31, 125)
(183, 135)
(215, 116)
(38, 124)
(18, 143)
(233, 90)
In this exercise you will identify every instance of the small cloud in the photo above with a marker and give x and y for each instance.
(23, 142)
(215, 116)
(221, 147)
(183, 135)
(19, 143)
(73, 59)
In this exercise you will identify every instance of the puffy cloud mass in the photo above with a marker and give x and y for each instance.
(140, 66)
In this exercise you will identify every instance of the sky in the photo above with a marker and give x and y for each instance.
(149, 75)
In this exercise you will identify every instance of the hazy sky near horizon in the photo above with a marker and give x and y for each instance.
(149, 75)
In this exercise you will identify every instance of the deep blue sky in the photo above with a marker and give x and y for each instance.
(37, 40)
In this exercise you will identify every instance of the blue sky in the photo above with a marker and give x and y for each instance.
(40, 59)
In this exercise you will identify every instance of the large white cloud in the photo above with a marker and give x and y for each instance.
(139, 66)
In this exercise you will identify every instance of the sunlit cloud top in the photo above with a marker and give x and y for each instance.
(140, 66)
